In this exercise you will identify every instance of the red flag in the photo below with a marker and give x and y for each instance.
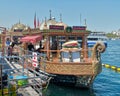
(35, 21)
(38, 23)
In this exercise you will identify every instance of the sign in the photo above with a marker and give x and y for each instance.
(56, 27)
(34, 59)
(79, 27)
(68, 29)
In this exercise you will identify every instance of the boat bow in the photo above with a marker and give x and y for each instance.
(98, 48)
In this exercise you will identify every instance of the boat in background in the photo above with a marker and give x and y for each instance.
(95, 37)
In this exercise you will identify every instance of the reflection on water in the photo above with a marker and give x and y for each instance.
(54, 90)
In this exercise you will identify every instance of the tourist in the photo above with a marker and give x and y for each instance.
(10, 49)
(31, 47)
(16, 52)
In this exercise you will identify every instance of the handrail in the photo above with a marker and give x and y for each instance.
(74, 49)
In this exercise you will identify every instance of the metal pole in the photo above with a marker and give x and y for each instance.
(1, 79)
(22, 58)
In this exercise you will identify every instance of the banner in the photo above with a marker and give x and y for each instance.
(79, 27)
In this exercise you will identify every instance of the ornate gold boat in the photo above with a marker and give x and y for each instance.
(72, 65)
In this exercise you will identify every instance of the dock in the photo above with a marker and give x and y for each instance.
(34, 81)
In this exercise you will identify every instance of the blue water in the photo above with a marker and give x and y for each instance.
(107, 83)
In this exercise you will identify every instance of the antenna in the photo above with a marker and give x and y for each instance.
(45, 21)
(85, 23)
(50, 14)
(45, 24)
(60, 17)
(19, 21)
(80, 20)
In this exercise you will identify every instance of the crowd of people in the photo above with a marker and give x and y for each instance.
(12, 48)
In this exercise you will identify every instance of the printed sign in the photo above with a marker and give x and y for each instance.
(34, 59)
(79, 27)
(56, 27)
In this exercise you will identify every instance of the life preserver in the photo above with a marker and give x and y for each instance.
(70, 44)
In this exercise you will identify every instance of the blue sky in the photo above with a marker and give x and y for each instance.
(101, 15)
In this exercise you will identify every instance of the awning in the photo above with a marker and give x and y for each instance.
(32, 39)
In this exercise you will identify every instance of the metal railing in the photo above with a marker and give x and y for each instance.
(18, 65)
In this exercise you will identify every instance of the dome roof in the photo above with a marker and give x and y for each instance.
(47, 23)
(19, 26)
(61, 24)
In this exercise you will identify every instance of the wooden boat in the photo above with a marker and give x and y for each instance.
(73, 65)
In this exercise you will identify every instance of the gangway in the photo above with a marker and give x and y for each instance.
(18, 78)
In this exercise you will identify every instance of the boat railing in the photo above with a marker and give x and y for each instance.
(82, 55)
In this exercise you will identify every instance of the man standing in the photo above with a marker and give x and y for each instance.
(31, 47)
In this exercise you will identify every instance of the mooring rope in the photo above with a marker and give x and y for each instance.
(115, 68)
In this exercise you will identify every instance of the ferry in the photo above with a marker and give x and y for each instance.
(72, 62)
(97, 37)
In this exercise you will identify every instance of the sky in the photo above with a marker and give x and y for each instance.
(100, 15)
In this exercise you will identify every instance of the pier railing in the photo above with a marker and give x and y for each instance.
(20, 75)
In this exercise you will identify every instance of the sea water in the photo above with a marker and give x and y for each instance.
(107, 83)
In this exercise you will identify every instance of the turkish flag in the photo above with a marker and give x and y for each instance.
(35, 21)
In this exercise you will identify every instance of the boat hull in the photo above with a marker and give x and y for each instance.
(74, 81)
(73, 74)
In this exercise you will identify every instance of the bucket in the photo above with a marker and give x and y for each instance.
(11, 77)
(23, 80)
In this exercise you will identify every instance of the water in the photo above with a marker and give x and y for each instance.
(107, 82)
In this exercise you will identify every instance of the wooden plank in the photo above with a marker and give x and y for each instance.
(31, 91)
(28, 91)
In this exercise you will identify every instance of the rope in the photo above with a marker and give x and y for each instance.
(115, 68)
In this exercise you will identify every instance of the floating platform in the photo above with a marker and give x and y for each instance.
(17, 80)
